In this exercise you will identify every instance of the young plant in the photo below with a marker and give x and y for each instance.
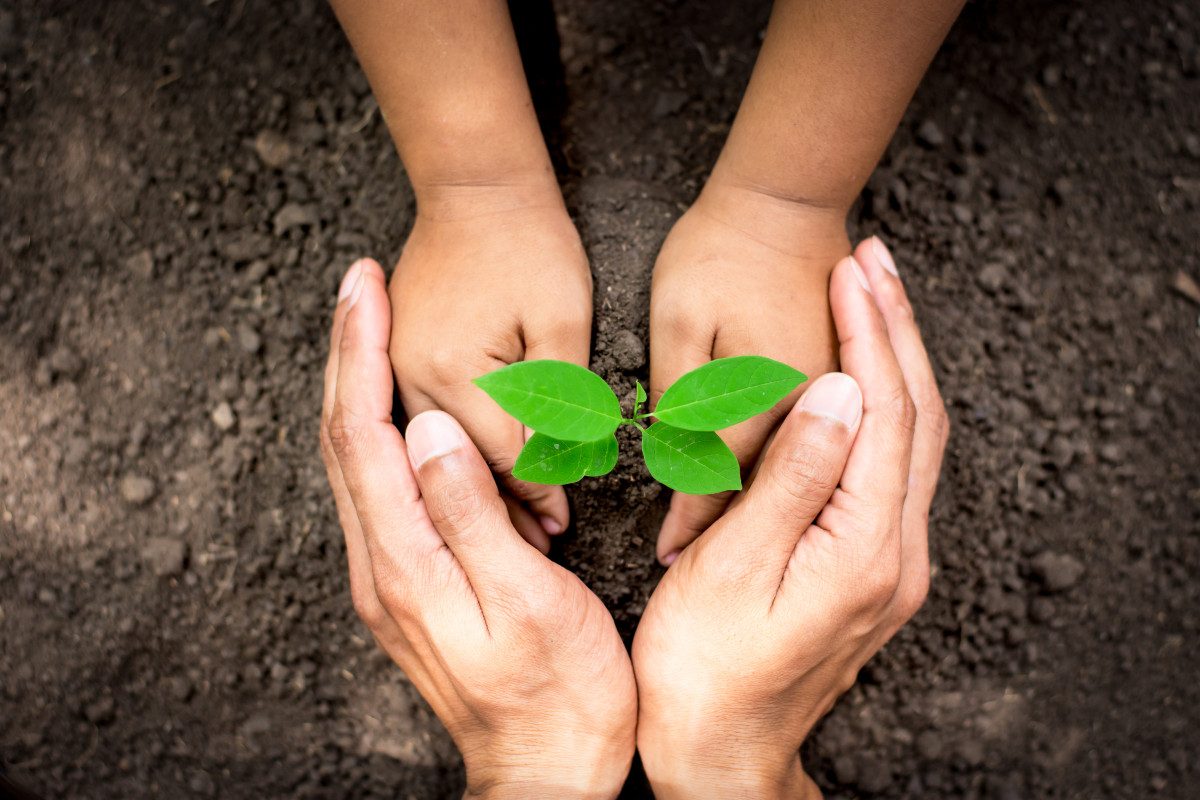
(574, 415)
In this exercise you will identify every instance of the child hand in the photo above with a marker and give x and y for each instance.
(741, 274)
(490, 276)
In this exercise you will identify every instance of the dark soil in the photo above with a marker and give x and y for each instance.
(183, 183)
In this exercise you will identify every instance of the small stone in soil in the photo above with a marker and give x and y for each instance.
(930, 135)
(222, 416)
(248, 338)
(273, 149)
(137, 489)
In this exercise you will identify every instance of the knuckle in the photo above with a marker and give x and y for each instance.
(879, 584)
(346, 437)
(940, 421)
(567, 326)
(674, 321)
(445, 364)
(900, 410)
(327, 454)
(928, 400)
(902, 311)
(911, 595)
(391, 592)
(454, 504)
(367, 605)
(807, 475)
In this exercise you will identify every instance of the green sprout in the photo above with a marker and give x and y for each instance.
(575, 414)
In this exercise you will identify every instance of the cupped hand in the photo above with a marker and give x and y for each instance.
(520, 661)
(490, 275)
(741, 274)
(760, 625)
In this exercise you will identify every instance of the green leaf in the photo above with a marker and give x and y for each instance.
(725, 392)
(641, 396)
(604, 456)
(692, 462)
(561, 400)
(555, 462)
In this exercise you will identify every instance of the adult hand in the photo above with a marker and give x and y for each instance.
(766, 619)
(490, 276)
(518, 659)
(741, 274)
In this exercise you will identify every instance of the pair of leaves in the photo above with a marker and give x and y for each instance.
(575, 413)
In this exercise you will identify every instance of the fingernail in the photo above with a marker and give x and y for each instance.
(349, 280)
(550, 525)
(432, 435)
(881, 252)
(834, 395)
(356, 292)
(858, 273)
(670, 557)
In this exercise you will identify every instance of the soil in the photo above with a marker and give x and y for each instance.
(183, 183)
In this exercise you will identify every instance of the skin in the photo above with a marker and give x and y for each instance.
(762, 623)
(493, 271)
(748, 640)
(520, 661)
(746, 269)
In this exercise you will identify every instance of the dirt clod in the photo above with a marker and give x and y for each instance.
(165, 556)
(1057, 571)
(137, 490)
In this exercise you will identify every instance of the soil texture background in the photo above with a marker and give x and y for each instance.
(182, 185)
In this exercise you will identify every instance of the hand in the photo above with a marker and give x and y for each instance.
(766, 619)
(518, 659)
(741, 274)
(490, 276)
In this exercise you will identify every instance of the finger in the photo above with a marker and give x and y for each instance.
(569, 341)
(465, 506)
(932, 426)
(362, 587)
(487, 421)
(794, 482)
(876, 476)
(499, 439)
(526, 523)
(689, 516)
(368, 449)
(677, 346)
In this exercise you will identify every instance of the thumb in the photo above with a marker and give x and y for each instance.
(800, 470)
(464, 504)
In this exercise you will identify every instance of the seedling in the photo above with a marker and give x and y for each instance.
(574, 414)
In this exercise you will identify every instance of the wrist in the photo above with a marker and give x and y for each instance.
(814, 233)
(738, 778)
(583, 770)
(453, 196)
